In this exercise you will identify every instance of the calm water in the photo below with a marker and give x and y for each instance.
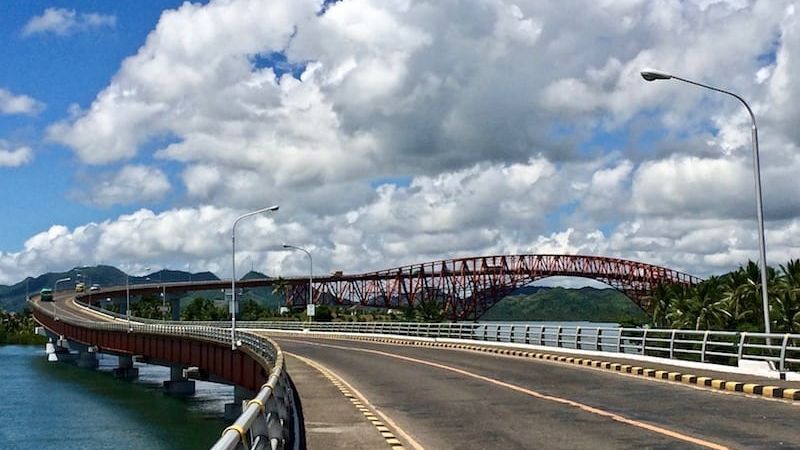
(55, 405)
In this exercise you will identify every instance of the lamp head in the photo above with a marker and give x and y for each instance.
(653, 74)
(273, 208)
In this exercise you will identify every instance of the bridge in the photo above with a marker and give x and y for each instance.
(461, 384)
(465, 287)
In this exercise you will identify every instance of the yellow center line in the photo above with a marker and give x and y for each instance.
(584, 407)
(322, 369)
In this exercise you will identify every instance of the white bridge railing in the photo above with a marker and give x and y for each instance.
(782, 351)
(719, 347)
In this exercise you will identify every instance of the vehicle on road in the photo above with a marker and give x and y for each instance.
(95, 287)
(46, 295)
(80, 287)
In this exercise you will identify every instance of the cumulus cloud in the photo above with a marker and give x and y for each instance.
(14, 157)
(520, 126)
(18, 104)
(131, 184)
(64, 22)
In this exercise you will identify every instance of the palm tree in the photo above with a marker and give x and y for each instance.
(661, 299)
(785, 307)
(708, 306)
(789, 279)
(280, 287)
(739, 302)
(679, 314)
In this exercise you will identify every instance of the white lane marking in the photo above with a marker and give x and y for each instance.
(583, 407)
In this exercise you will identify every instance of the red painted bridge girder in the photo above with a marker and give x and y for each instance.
(468, 287)
(237, 367)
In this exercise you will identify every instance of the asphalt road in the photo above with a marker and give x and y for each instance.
(454, 399)
(63, 306)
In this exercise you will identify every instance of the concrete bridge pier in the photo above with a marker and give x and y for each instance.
(125, 369)
(178, 384)
(240, 395)
(87, 358)
(174, 306)
(57, 349)
(120, 304)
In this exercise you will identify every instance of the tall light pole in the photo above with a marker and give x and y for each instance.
(55, 290)
(233, 267)
(163, 294)
(128, 297)
(652, 75)
(310, 268)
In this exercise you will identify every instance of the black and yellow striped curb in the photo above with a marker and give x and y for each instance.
(677, 377)
(387, 434)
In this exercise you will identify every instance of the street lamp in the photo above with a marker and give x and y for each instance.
(233, 271)
(652, 75)
(128, 297)
(310, 268)
(55, 290)
(163, 294)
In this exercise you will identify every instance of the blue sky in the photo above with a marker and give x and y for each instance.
(392, 133)
(58, 71)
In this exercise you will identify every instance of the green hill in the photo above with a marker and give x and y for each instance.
(560, 304)
(12, 298)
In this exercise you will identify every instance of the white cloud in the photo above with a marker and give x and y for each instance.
(131, 184)
(18, 104)
(64, 22)
(16, 157)
(523, 126)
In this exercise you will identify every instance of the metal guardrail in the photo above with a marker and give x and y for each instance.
(718, 347)
(782, 351)
(268, 421)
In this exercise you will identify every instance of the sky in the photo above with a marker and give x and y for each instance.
(393, 132)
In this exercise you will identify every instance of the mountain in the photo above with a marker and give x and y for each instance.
(561, 304)
(253, 275)
(12, 298)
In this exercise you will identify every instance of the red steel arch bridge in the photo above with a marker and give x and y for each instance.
(468, 287)
(465, 287)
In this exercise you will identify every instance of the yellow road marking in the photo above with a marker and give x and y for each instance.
(583, 407)
(344, 386)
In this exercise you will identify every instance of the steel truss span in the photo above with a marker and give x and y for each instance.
(465, 287)
(468, 287)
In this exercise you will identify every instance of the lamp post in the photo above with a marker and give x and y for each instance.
(128, 297)
(652, 75)
(55, 290)
(163, 294)
(310, 269)
(233, 267)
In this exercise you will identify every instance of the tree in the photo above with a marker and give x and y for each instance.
(785, 307)
(323, 313)
(202, 308)
(429, 310)
(707, 306)
(252, 310)
(147, 308)
(661, 299)
(280, 288)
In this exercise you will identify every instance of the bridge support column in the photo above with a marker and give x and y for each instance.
(87, 359)
(58, 350)
(121, 304)
(174, 307)
(125, 369)
(240, 395)
(177, 383)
